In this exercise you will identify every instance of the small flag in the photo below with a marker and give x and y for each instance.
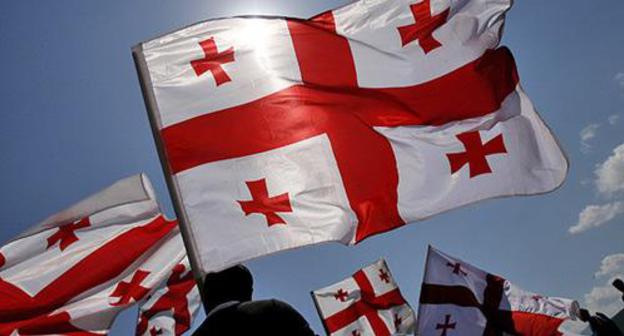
(459, 299)
(73, 273)
(367, 303)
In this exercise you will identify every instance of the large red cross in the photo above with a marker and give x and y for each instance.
(32, 315)
(447, 325)
(127, 291)
(476, 153)
(263, 204)
(175, 300)
(424, 27)
(368, 306)
(213, 61)
(331, 104)
(66, 234)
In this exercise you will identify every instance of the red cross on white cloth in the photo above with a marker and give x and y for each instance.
(481, 303)
(380, 303)
(422, 30)
(66, 234)
(213, 61)
(367, 120)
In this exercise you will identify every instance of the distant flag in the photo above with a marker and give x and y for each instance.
(367, 303)
(73, 273)
(459, 299)
(277, 133)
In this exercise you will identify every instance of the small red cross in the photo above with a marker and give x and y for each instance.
(446, 326)
(355, 333)
(155, 332)
(476, 153)
(537, 298)
(384, 276)
(66, 234)
(213, 61)
(263, 204)
(424, 27)
(2, 260)
(341, 295)
(457, 268)
(397, 321)
(126, 291)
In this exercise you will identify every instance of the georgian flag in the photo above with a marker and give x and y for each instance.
(279, 133)
(367, 303)
(459, 299)
(74, 272)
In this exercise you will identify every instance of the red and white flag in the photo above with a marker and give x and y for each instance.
(367, 303)
(459, 299)
(75, 271)
(280, 132)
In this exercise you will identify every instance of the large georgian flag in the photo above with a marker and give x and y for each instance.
(278, 133)
(367, 303)
(459, 299)
(75, 271)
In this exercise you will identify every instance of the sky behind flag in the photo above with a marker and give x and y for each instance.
(73, 121)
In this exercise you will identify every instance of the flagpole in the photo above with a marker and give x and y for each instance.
(318, 311)
(156, 125)
(418, 314)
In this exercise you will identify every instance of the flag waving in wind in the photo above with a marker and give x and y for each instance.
(368, 303)
(459, 299)
(73, 273)
(277, 133)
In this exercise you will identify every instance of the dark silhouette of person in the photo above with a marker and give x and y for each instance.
(231, 312)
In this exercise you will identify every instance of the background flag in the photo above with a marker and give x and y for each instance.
(367, 303)
(74, 272)
(277, 133)
(459, 299)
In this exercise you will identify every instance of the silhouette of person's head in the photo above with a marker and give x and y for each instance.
(232, 284)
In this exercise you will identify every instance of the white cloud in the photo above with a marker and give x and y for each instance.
(619, 78)
(610, 174)
(605, 298)
(596, 215)
(613, 119)
(611, 264)
(588, 133)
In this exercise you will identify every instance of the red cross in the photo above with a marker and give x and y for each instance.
(537, 298)
(384, 276)
(341, 295)
(365, 158)
(263, 204)
(126, 291)
(174, 300)
(355, 333)
(397, 322)
(367, 306)
(2, 260)
(154, 331)
(31, 315)
(446, 326)
(424, 27)
(213, 61)
(66, 234)
(476, 153)
(497, 320)
(457, 268)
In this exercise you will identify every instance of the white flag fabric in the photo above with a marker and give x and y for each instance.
(280, 133)
(459, 299)
(74, 272)
(367, 303)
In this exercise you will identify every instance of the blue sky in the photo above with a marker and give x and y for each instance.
(72, 121)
